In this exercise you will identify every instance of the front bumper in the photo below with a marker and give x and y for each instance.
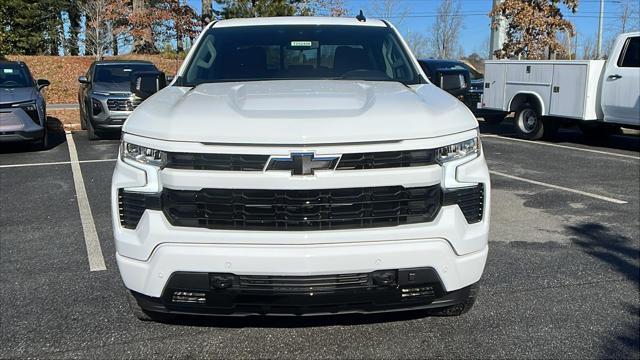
(202, 294)
(17, 126)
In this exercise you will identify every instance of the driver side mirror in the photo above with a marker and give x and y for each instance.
(83, 80)
(42, 83)
(454, 81)
(147, 83)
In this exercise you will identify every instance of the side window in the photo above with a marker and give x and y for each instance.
(630, 56)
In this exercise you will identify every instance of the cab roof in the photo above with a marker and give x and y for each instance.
(297, 20)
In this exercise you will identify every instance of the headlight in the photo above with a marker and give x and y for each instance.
(96, 106)
(142, 155)
(457, 151)
(26, 106)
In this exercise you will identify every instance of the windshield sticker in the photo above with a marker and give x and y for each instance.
(7, 71)
(301, 43)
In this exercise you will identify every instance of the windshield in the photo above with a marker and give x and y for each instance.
(299, 52)
(13, 75)
(118, 73)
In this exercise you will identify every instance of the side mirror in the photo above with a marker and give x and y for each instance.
(170, 78)
(147, 83)
(83, 80)
(42, 83)
(454, 81)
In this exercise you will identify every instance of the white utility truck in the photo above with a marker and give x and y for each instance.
(601, 96)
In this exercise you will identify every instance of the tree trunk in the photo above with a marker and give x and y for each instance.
(74, 29)
(114, 45)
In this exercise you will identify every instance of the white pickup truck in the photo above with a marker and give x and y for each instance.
(600, 96)
(300, 165)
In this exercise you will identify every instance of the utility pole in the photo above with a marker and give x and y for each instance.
(498, 33)
(599, 53)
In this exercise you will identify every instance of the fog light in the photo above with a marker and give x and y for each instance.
(189, 297)
(417, 291)
(384, 278)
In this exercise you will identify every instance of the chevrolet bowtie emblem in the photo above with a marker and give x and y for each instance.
(303, 163)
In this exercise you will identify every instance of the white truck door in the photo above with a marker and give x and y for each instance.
(621, 82)
(493, 97)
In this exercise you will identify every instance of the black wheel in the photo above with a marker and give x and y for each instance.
(529, 124)
(493, 119)
(91, 132)
(136, 310)
(599, 130)
(83, 120)
(458, 309)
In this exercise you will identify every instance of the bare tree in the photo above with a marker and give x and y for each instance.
(629, 15)
(392, 10)
(207, 12)
(589, 51)
(446, 29)
(418, 44)
(97, 34)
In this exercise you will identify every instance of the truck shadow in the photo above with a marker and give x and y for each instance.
(622, 255)
(293, 321)
(570, 135)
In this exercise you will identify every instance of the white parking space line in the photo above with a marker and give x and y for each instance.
(94, 251)
(54, 163)
(540, 183)
(561, 146)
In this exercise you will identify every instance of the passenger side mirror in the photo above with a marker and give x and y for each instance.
(83, 80)
(147, 83)
(42, 83)
(169, 78)
(454, 81)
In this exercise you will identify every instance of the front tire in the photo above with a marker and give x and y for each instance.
(42, 143)
(91, 132)
(529, 124)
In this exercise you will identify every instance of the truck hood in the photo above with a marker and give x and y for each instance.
(16, 95)
(299, 112)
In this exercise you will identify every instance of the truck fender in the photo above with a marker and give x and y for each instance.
(522, 97)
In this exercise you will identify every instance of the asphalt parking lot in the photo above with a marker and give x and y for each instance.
(562, 278)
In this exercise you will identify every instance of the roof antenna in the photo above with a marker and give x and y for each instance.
(361, 17)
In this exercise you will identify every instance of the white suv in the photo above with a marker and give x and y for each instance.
(300, 166)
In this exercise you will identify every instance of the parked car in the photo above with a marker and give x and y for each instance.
(23, 110)
(105, 96)
(300, 165)
(473, 97)
(600, 96)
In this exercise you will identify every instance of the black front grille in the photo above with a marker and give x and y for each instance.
(228, 162)
(387, 159)
(354, 161)
(469, 199)
(316, 283)
(301, 209)
(120, 105)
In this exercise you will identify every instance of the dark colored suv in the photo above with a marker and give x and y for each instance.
(23, 115)
(474, 96)
(105, 96)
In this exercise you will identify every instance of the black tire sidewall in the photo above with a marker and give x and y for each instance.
(538, 130)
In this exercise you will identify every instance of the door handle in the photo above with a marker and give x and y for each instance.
(615, 76)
